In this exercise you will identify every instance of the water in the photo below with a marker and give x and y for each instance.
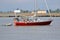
(51, 32)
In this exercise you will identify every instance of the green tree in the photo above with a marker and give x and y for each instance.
(57, 10)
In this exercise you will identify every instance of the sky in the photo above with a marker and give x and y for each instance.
(9, 5)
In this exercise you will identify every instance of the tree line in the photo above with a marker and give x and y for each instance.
(54, 11)
(27, 11)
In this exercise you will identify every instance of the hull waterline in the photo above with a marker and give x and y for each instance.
(33, 23)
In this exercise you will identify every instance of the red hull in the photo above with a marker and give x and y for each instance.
(32, 23)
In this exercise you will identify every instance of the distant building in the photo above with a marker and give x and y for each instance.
(17, 11)
(40, 11)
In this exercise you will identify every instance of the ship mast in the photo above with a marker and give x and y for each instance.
(47, 7)
(35, 7)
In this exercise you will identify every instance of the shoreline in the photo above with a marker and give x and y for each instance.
(29, 14)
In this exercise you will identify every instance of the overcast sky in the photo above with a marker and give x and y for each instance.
(7, 5)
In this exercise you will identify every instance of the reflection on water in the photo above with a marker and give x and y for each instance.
(51, 32)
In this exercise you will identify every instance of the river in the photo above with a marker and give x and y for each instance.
(50, 32)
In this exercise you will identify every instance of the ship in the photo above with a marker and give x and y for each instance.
(31, 21)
